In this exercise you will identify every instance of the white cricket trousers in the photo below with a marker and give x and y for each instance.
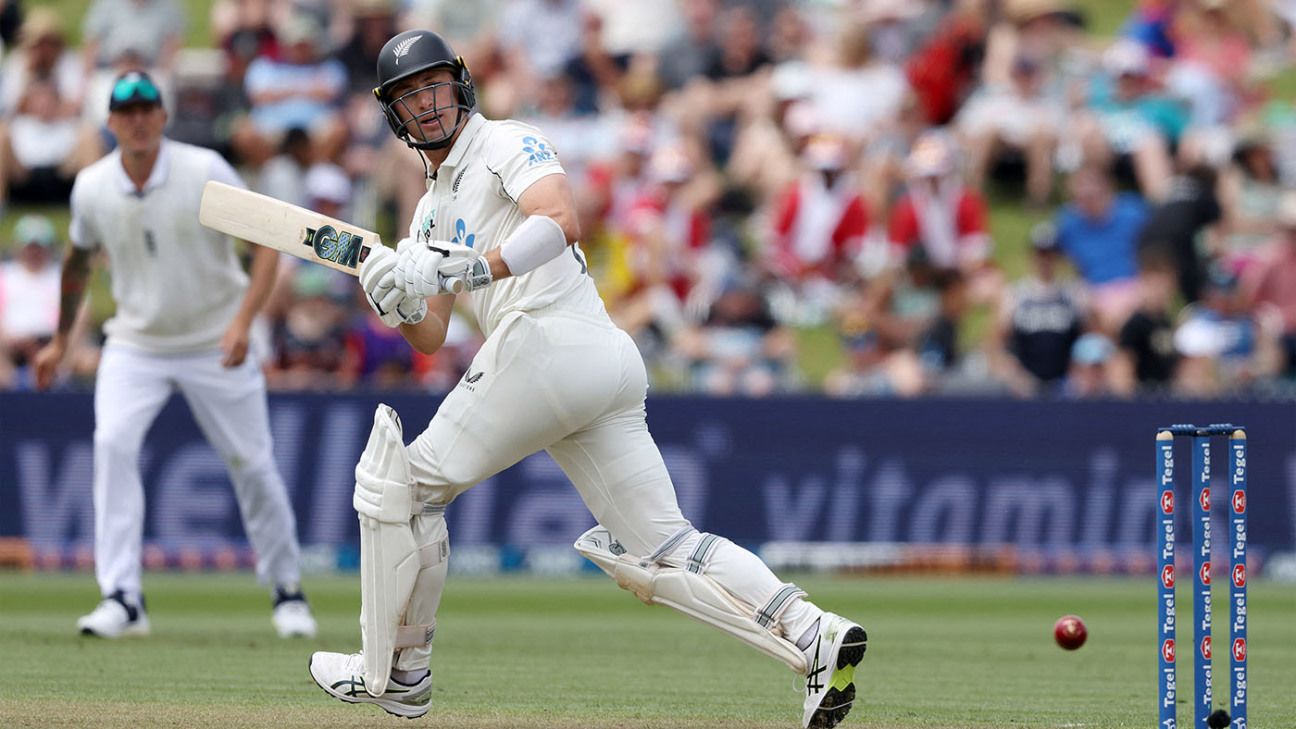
(229, 405)
(573, 385)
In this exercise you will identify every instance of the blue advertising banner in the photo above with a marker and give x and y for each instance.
(1061, 481)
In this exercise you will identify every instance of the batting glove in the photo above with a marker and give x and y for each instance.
(463, 268)
(390, 302)
(416, 271)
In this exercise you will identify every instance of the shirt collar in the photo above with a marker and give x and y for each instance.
(460, 148)
(158, 176)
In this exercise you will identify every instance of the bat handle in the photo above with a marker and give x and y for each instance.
(453, 284)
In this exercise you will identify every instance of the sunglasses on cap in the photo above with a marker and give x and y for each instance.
(134, 88)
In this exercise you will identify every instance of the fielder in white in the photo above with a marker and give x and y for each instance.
(184, 309)
(555, 374)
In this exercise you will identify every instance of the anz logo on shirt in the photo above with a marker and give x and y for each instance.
(425, 230)
(537, 151)
(461, 234)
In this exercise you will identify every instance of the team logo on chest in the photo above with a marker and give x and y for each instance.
(425, 230)
(462, 236)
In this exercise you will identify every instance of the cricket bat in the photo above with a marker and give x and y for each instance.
(309, 235)
(285, 227)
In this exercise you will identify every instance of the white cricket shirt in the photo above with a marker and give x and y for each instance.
(177, 284)
(473, 201)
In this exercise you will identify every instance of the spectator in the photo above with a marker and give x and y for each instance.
(739, 349)
(858, 95)
(283, 176)
(1250, 194)
(820, 221)
(472, 27)
(641, 28)
(310, 341)
(1212, 66)
(1130, 123)
(938, 345)
(539, 37)
(244, 30)
(1224, 346)
(1040, 320)
(944, 69)
(42, 148)
(1090, 372)
(377, 355)
(1098, 231)
(741, 50)
(29, 296)
(773, 128)
(880, 323)
(687, 56)
(944, 217)
(303, 90)
(1048, 31)
(1268, 287)
(1151, 25)
(42, 55)
(579, 138)
(373, 22)
(669, 231)
(1180, 226)
(1146, 359)
(153, 30)
(896, 26)
(1023, 120)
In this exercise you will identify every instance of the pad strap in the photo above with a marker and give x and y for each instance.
(701, 554)
(414, 636)
(431, 555)
(768, 616)
(417, 636)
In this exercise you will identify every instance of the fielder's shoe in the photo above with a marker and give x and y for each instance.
(830, 681)
(292, 616)
(341, 675)
(115, 618)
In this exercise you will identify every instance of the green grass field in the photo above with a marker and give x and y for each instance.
(532, 653)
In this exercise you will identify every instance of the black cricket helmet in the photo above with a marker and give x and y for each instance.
(408, 54)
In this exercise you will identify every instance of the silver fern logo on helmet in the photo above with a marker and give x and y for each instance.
(403, 48)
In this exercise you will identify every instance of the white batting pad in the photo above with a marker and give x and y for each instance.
(693, 593)
(389, 555)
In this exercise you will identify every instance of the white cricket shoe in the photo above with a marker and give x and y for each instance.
(115, 618)
(292, 616)
(341, 675)
(830, 680)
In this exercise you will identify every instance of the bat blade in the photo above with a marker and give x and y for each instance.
(285, 227)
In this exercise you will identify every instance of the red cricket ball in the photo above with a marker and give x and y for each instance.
(1070, 632)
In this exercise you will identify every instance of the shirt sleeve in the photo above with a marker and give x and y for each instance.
(519, 154)
(80, 231)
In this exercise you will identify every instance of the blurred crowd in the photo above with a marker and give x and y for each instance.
(765, 185)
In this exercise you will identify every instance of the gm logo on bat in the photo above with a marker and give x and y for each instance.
(340, 247)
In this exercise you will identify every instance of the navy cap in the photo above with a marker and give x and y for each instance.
(134, 87)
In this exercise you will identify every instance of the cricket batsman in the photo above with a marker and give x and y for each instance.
(499, 223)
